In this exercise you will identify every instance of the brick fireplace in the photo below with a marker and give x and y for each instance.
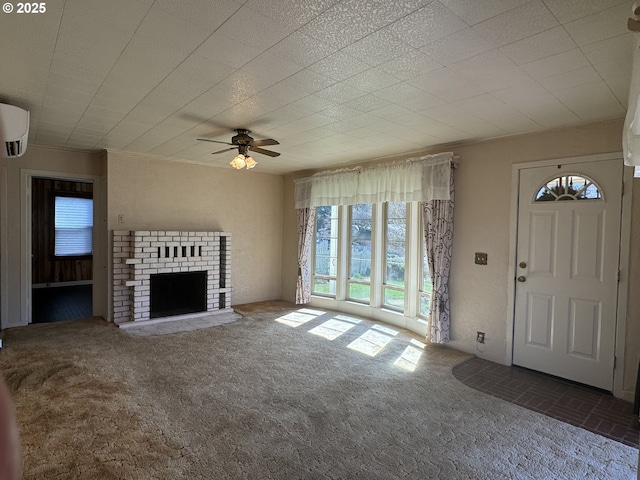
(142, 260)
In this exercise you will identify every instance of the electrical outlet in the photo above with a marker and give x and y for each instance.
(480, 337)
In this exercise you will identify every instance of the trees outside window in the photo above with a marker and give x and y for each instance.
(425, 285)
(395, 253)
(326, 251)
(373, 254)
(361, 225)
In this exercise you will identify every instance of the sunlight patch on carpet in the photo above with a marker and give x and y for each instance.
(310, 311)
(408, 360)
(334, 327)
(295, 319)
(372, 341)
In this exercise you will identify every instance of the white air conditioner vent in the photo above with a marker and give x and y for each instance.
(14, 130)
(15, 148)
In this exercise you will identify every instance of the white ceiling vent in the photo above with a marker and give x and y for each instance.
(14, 130)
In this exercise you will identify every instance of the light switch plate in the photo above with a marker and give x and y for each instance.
(481, 258)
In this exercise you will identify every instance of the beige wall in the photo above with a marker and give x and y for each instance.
(158, 194)
(482, 224)
(48, 162)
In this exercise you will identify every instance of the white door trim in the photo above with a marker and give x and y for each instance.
(625, 238)
(25, 230)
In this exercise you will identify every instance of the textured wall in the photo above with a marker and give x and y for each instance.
(52, 162)
(482, 224)
(152, 193)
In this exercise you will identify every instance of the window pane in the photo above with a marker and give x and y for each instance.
(326, 250)
(360, 258)
(326, 240)
(425, 286)
(73, 226)
(426, 278)
(568, 187)
(425, 300)
(395, 243)
(358, 291)
(394, 298)
(324, 286)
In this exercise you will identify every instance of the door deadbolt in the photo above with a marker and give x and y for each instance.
(522, 264)
(522, 278)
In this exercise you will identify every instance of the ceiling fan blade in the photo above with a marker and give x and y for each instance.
(266, 141)
(214, 141)
(263, 151)
(223, 150)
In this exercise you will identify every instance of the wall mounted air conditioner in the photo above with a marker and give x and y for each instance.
(14, 130)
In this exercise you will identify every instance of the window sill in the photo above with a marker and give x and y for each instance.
(385, 315)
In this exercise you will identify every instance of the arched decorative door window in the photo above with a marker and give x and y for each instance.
(569, 186)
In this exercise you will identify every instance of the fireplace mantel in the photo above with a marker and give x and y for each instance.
(139, 254)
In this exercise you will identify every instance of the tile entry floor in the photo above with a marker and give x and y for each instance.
(56, 304)
(579, 405)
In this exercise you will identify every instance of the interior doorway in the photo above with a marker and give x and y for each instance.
(61, 249)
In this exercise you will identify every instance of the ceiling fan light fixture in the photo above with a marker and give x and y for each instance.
(244, 142)
(250, 162)
(238, 162)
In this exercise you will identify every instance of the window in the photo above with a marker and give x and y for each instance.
(360, 254)
(568, 187)
(425, 285)
(326, 251)
(395, 250)
(73, 226)
(372, 255)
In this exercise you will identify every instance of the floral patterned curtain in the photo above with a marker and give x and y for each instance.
(438, 231)
(306, 223)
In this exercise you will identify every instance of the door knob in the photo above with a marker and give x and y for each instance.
(522, 278)
(522, 264)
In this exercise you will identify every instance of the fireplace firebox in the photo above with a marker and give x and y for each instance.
(178, 293)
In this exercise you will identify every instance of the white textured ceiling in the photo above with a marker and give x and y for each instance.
(334, 81)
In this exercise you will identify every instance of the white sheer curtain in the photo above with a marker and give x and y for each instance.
(631, 129)
(426, 179)
(329, 186)
(416, 179)
(306, 222)
(438, 231)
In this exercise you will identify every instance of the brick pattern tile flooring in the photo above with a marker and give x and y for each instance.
(579, 405)
(56, 304)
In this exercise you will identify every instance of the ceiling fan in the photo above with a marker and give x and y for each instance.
(245, 143)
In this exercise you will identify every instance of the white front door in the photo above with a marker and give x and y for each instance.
(568, 249)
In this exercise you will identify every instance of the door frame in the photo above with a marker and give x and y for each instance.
(623, 258)
(99, 237)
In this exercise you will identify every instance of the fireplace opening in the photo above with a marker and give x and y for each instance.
(178, 293)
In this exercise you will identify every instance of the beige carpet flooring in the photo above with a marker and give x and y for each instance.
(278, 394)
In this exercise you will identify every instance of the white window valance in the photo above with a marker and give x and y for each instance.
(415, 179)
